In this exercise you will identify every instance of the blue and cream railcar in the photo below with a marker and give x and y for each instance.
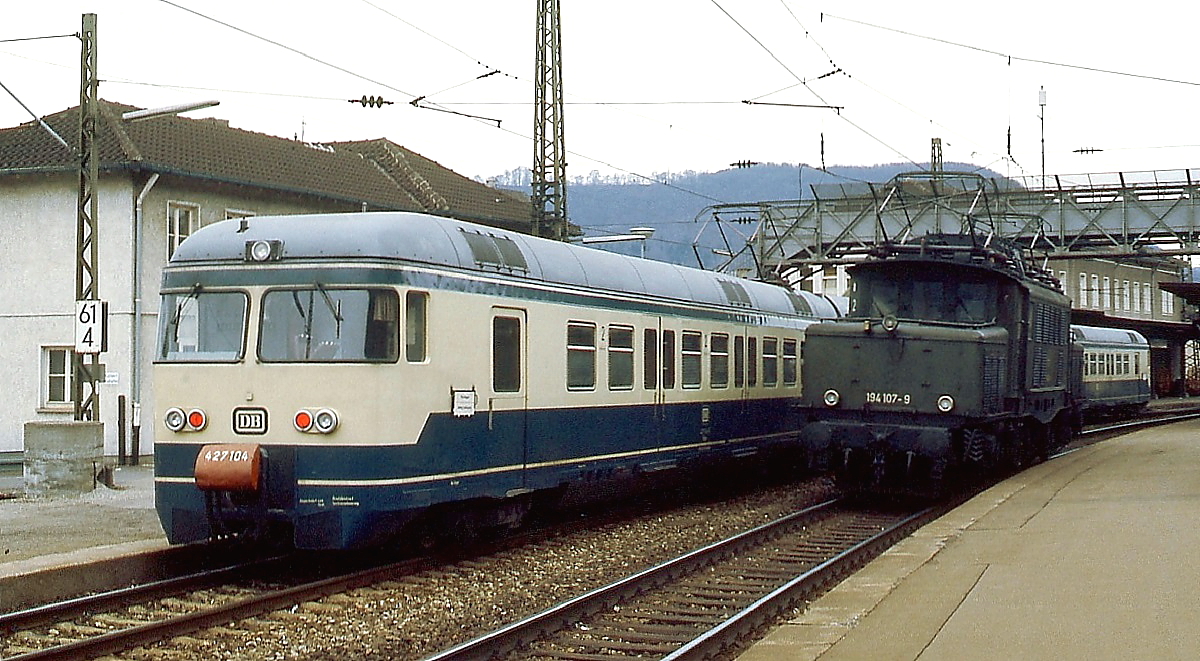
(1115, 369)
(340, 377)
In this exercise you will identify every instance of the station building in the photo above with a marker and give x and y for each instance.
(161, 179)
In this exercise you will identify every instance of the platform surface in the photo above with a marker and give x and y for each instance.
(1092, 555)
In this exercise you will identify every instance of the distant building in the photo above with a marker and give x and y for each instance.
(160, 180)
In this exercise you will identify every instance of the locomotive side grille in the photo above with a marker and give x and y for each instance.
(1039, 366)
(994, 366)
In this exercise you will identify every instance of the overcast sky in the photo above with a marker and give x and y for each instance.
(651, 85)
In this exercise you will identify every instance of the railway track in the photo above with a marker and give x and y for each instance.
(681, 609)
(705, 602)
(110, 622)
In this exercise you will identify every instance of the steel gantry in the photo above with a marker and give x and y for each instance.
(1145, 214)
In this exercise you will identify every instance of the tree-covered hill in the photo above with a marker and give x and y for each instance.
(675, 203)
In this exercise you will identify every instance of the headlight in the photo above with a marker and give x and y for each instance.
(325, 421)
(321, 421)
(175, 419)
(945, 403)
(831, 398)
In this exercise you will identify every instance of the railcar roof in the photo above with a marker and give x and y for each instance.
(1109, 335)
(441, 241)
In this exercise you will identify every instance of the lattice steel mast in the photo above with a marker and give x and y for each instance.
(549, 159)
(86, 394)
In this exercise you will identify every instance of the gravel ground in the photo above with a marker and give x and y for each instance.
(411, 619)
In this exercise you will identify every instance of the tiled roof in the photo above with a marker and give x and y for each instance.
(380, 173)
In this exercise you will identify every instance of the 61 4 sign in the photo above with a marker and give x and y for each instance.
(91, 326)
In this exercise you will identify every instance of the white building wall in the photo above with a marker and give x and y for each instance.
(37, 263)
(37, 260)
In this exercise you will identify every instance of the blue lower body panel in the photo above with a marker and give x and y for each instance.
(339, 496)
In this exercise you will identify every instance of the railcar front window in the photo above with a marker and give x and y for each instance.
(202, 326)
(316, 325)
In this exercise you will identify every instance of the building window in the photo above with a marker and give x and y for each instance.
(182, 220)
(581, 356)
(1106, 295)
(1168, 303)
(56, 377)
(1095, 291)
(1082, 301)
(620, 358)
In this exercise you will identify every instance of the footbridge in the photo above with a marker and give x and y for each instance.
(1115, 215)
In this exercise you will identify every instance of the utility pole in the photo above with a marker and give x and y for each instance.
(89, 312)
(549, 159)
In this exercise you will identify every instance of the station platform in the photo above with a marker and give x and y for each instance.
(40, 533)
(1091, 555)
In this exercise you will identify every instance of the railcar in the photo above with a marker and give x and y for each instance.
(1114, 370)
(953, 362)
(344, 381)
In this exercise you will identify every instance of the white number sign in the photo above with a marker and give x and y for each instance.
(91, 326)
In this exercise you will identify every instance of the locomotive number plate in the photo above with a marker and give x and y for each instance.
(889, 398)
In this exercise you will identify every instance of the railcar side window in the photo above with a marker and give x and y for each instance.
(668, 359)
(506, 354)
(690, 353)
(202, 326)
(770, 357)
(416, 305)
(322, 325)
(719, 360)
(752, 361)
(739, 361)
(581, 356)
(789, 362)
(620, 358)
(650, 359)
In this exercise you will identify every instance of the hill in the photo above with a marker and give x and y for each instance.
(676, 205)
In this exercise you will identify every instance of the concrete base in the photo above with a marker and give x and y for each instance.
(62, 458)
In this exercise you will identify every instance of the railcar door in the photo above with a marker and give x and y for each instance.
(508, 400)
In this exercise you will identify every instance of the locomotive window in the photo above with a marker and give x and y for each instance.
(789, 362)
(719, 361)
(581, 356)
(650, 359)
(416, 305)
(920, 296)
(770, 356)
(752, 361)
(739, 361)
(506, 354)
(321, 325)
(668, 359)
(620, 358)
(202, 326)
(690, 352)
